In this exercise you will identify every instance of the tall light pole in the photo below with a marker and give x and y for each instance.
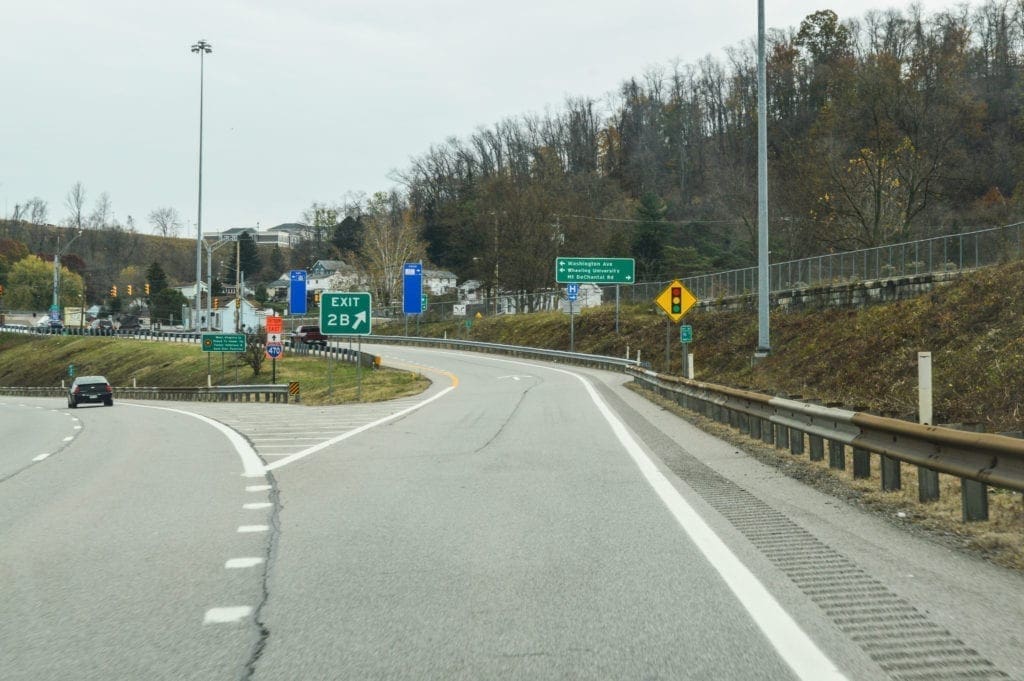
(56, 267)
(763, 341)
(203, 48)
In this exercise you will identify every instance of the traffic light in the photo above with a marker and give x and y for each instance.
(216, 303)
(316, 298)
(129, 289)
(147, 288)
(677, 300)
(113, 291)
(1, 289)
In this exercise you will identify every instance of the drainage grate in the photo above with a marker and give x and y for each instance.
(893, 633)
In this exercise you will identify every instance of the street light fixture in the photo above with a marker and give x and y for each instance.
(202, 48)
(56, 268)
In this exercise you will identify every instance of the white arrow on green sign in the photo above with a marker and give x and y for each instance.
(595, 270)
(345, 314)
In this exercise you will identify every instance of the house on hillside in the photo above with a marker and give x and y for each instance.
(439, 282)
(224, 317)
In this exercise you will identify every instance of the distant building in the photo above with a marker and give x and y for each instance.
(283, 235)
(439, 282)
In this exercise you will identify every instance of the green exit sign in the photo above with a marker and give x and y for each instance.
(223, 342)
(345, 314)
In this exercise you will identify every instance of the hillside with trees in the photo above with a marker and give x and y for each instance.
(884, 128)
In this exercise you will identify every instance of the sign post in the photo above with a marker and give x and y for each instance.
(597, 271)
(348, 314)
(686, 337)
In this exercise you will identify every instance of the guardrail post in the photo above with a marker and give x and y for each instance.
(861, 463)
(796, 442)
(817, 447)
(781, 436)
(927, 479)
(754, 426)
(891, 479)
(973, 500)
(767, 435)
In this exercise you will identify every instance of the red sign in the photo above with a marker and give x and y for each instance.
(274, 324)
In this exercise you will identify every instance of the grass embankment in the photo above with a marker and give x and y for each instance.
(33, 361)
(861, 358)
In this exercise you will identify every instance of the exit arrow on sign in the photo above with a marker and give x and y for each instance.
(345, 314)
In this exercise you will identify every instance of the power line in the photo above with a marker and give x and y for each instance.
(670, 222)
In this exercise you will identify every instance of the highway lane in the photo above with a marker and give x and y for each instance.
(500, 526)
(113, 549)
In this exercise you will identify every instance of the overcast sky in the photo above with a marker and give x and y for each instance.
(306, 100)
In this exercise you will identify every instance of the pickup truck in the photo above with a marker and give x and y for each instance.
(308, 335)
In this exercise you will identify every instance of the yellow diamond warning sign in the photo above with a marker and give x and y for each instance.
(675, 300)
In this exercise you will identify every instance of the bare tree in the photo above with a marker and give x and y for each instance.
(165, 221)
(75, 203)
(102, 213)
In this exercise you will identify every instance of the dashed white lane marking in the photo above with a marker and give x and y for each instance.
(78, 427)
(257, 488)
(238, 563)
(41, 456)
(257, 506)
(253, 528)
(226, 615)
(69, 438)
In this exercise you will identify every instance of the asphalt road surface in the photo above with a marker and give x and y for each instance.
(517, 521)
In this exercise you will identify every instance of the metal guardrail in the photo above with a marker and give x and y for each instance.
(984, 458)
(578, 358)
(218, 393)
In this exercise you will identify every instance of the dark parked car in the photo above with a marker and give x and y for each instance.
(47, 325)
(94, 389)
(310, 335)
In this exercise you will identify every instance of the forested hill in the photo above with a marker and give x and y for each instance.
(881, 128)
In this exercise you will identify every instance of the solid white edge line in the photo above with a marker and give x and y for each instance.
(344, 436)
(792, 643)
(251, 463)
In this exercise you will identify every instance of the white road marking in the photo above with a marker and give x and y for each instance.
(226, 615)
(69, 438)
(257, 488)
(793, 645)
(257, 506)
(251, 463)
(237, 563)
(41, 456)
(344, 436)
(78, 427)
(253, 528)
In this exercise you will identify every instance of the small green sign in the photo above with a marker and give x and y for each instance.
(223, 342)
(423, 302)
(686, 333)
(71, 370)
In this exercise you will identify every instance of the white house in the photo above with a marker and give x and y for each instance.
(224, 317)
(439, 282)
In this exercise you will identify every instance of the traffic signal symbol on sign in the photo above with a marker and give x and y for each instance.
(675, 300)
